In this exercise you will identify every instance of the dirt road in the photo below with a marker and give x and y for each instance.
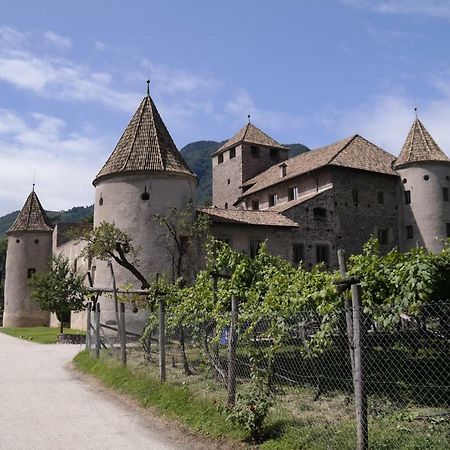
(45, 405)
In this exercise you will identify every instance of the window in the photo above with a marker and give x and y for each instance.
(380, 197)
(31, 272)
(409, 232)
(232, 152)
(447, 229)
(282, 170)
(226, 205)
(383, 236)
(445, 194)
(322, 254)
(273, 198)
(355, 196)
(75, 264)
(274, 152)
(225, 240)
(220, 159)
(292, 193)
(320, 214)
(426, 177)
(255, 205)
(407, 197)
(255, 244)
(298, 253)
(254, 150)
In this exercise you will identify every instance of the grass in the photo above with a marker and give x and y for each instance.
(42, 335)
(296, 421)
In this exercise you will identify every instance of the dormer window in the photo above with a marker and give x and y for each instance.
(292, 193)
(220, 158)
(282, 170)
(273, 199)
(232, 152)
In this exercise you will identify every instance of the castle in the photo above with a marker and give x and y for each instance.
(305, 207)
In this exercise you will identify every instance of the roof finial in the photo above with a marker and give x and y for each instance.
(34, 179)
(248, 117)
(415, 112)
(148, 88)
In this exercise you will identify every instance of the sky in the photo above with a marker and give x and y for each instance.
(307, 71)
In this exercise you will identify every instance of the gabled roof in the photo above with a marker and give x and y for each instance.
(419, 146)
(282, 207)
(145, 146)
(251, 135)
(32, 217)
(248, 217)
(354, 152)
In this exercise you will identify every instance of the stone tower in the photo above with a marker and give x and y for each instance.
(424, 170)
(145, 175)
(249, 152)
(29, 250)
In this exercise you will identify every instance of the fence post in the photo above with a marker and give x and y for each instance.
(232, 344)
(97, 331)
(162, 340)
(123, 335)
(88, 327)
(360, 395)
(348, 310)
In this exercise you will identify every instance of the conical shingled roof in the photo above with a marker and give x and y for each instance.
(252, 135)
(32, 217)
(145, 146)
(419, 146)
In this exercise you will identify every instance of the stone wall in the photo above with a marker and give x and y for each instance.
(357, 220)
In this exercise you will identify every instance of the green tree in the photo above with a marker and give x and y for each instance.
(58, 290)
(107, 242)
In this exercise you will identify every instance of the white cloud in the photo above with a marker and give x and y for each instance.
(386, 121)
(242, 105)
(433, 8)
(65, 162)
(57, 40)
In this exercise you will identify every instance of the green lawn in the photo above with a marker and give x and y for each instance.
(295, 422)
(42, 335)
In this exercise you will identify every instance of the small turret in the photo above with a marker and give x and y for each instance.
(425, 174)
(29, 250)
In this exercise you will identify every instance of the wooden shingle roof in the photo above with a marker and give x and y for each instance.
(248, 217)
(354, 152)
(251, 135)
(419, 146)
(145, 146)
(32, 217)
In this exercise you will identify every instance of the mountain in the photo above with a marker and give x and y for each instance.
(198, 156)
(76, 214)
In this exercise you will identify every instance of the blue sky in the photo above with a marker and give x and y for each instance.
(72, 74)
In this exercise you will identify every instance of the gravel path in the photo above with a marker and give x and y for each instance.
(44, 405)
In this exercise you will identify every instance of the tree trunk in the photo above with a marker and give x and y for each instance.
(61, 327)
(184, 359)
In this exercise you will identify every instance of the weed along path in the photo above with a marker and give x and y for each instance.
(45, 405)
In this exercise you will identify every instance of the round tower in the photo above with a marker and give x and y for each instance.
(145, 175)
(29, 250)
(424, 170)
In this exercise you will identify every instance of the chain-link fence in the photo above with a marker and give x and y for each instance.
(386, 380)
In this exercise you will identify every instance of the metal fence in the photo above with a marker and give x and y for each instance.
(363, 374)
